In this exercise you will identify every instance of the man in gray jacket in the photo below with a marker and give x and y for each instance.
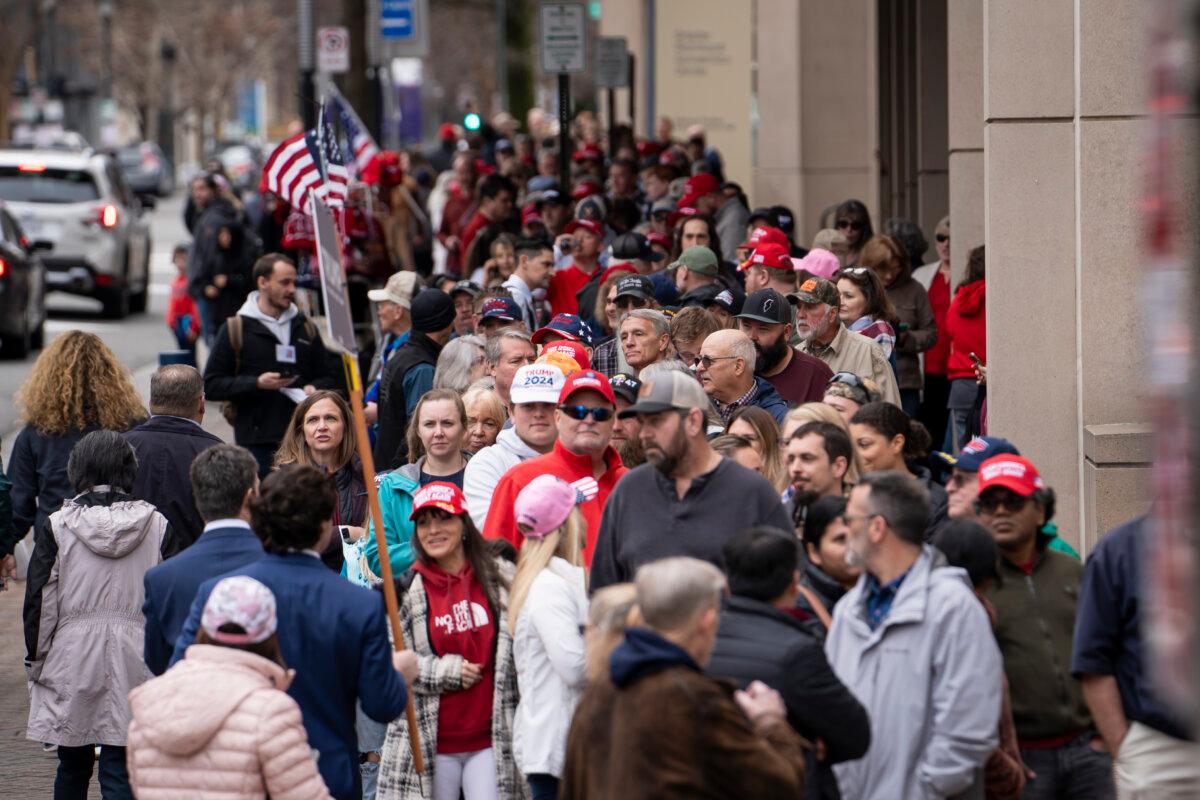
(916, 648)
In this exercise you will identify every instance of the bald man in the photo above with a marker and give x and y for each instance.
(725, 368)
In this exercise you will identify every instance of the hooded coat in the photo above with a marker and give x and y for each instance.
(83, 616)
(966, 325)
(220, 723)
(487, 467)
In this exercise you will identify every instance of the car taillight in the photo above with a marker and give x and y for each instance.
(32, 168)
(3, 268)
(107, 216)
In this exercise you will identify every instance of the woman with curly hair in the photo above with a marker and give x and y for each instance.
(321, 435)
(77, 385)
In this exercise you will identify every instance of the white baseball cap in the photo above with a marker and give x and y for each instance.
(399, 289)
(537, 383)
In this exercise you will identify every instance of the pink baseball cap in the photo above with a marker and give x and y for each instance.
(544, 505)
(241, 601)
(821, 263)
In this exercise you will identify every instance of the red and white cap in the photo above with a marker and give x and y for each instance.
(769, 255)
(587, 379)
(766, 234)
(570, 349)
(1015, 473)
(591, 226)
(440, 495)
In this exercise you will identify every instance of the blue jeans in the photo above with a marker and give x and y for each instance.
(209, 322)
(910, 401)
(370, 740)
(542, 787)
(75, 773)
(1074, 771)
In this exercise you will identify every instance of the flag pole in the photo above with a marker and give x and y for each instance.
(350, 110)
(350, 364)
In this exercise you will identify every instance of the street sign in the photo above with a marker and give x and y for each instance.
(339, 333)
(612, 62)
(333, 50)
(404, 28)
(564, 38)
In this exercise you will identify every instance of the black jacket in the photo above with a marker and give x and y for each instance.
(263, 416)
(165, 448)
(391, 449)
(757, 641)
(7, 540)
(824, 587)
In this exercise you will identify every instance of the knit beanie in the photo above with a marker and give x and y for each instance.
(432, 311)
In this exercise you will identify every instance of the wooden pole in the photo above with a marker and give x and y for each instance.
(350, 363)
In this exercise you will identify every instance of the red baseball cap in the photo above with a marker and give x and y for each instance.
(446, 132)
(768, 255)
(589, 225)
(660, 239)
(439, 494)
(570, 349)
(586, 379)
(1015, 473)
(675, 216)
(588, 151)
(585, 189)
(530, 216)
(696, 187)
(765, 234)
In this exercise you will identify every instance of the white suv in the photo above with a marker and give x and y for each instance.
(80, 205)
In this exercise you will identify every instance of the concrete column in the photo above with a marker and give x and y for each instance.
(628, 18)
(1064, 106)
(933, 190)
(817, 100)
(964, 71)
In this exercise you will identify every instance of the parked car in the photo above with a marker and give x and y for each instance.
(81, 205)
(243, 164)
(22, 289)
(147, 169)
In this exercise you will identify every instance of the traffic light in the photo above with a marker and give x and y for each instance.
(471, 121)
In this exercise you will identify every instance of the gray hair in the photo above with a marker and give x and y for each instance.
(656, 318)
(176, 390)
(662, 368)
(102, 458)
(221, 476)
(492, 349)
(455, 363)
(672, 592)
(902, 502)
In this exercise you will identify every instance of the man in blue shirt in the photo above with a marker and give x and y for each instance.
(1154, 751)
(331, 632)
(224, 478)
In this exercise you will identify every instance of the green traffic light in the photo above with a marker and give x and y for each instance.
(471, 122)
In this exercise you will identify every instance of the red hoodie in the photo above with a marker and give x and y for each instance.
(966, 324)
(461, 623)
(181, 304)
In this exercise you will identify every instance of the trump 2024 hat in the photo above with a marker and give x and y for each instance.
(537, 383)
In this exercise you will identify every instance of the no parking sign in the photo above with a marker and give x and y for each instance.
(333, 49)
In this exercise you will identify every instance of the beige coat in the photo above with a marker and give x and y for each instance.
(852, 352)
(220, 725)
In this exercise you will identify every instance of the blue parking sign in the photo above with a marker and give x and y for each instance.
(397, 19)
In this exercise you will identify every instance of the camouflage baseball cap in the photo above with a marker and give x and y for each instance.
(816, 290)
(698, 259)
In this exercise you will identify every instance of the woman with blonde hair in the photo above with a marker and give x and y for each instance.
(321, 434)
(76, 386)
(546, 614)
(613, 609)
(486, 416)
(758, 427)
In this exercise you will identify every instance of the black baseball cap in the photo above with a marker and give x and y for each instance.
(625, 387)
(466, 287)
(634, 246)
(767, 305)
(638, 286)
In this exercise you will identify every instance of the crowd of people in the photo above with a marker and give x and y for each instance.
(676, 505)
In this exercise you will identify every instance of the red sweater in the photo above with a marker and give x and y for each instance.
(501, 522)
(939, 302)
(180, 304)
(565, 284)
(966, 325)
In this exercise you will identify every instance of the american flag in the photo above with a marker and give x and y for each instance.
(362, 146)
(307, 161)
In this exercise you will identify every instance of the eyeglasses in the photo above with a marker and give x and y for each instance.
(707, 361)
(599, 414)
(1011, 501)
(852, 224)
(942, 238)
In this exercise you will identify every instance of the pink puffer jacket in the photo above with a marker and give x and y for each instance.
(219, 724)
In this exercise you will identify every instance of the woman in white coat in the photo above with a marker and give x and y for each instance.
(547, 612)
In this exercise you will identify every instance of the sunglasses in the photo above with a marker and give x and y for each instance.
(708, 361)
(599, 414)
(853, 225)
(856, 270)
(848, 378)
(942, 238)
(1012, 502)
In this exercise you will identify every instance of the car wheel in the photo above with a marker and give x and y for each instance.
(17, 346)
(117, 302)
(137, 301)
(38, 337)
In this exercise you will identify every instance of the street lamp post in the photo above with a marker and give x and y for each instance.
(166, 118)
(106, 15)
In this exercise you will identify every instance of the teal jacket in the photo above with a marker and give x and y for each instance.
(396, 491)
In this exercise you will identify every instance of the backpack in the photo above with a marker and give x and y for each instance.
(233, 326)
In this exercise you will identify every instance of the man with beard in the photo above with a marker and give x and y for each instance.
(823, 335)
(798, 377)
(817, 457)
(687, 500)
(625, 435)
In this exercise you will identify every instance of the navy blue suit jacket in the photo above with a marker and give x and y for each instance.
(171, 586)
(334, 635)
